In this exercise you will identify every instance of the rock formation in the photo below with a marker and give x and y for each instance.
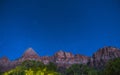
(30, 53)
(64, 59)
(103, 55)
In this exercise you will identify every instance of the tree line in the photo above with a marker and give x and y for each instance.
(31, 67)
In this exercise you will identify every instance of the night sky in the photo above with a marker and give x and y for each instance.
(77, 26)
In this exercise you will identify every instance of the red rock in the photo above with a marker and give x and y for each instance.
(64, 59)
(80, 59)
(103, 55)
(30, 53)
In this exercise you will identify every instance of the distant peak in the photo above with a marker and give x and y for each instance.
(30, 49)
(109, 48)
(30, 52)
(60, 51)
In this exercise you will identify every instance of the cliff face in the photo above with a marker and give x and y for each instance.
(103, 55)
(80, 59)
(30, 53)
(64, 59)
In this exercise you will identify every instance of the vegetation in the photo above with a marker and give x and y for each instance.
(113, 67)
(38, 68)
(79, 69)
(33, 68)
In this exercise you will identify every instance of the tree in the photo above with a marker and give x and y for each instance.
(51, 66)
(113, 67)
(61, 70)
(75, 69)
(92, 71)
(34, 65)
(33, 68)
(28, 72)
(79, 69)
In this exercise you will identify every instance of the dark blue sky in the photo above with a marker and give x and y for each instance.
(78, 26)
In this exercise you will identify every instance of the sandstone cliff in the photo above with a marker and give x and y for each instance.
(64, 59)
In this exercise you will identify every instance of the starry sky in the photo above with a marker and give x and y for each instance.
(77, 26)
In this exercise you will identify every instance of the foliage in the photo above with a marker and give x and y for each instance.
(33, 68)
(35, 65)
(51, 66)
(79, 69)
(113, 67)
(61, 70)
(38, 68)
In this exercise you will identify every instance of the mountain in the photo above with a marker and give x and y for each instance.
(64, 59)
(30, 54)
(103, 55)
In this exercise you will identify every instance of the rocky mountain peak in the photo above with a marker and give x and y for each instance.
(60, 54)
(30, 53)
(65, 59)
(108, 52)
(103, 55)
(60, 51)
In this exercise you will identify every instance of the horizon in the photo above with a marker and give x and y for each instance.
(54, 53)
(77, 26)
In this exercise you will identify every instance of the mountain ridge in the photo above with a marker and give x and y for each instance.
(64, 59)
